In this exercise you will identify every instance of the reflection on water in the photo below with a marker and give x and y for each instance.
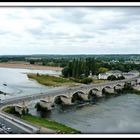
(15, 82)
(116, 115)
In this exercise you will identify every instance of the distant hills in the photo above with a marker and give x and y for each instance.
(61, 56)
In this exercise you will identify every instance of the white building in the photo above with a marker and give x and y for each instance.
(134, 72)
(103, 76)
(116, 73)
(131, 74)
(128, 75)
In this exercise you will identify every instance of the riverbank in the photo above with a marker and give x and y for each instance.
(27, 65)
(48, 80)
(59, 128)
(45, 124)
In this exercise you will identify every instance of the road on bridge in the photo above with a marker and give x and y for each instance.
(56, 91)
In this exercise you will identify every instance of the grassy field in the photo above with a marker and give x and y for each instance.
(49, 80)
(48, 124)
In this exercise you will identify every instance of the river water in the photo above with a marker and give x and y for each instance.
(119, 114)
(17, 82)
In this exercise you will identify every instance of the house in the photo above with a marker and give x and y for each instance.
(131, 74)
(128, 75)
(134, 72)
(103, 76)
(116, 73)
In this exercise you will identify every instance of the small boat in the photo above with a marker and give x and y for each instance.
(5, 84)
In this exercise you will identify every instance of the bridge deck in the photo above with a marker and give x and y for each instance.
(58, 90)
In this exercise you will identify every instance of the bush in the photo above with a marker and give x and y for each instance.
(32, 62)
(86, 80)
(75, 80)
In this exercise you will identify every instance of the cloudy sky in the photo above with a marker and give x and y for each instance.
(69, 30)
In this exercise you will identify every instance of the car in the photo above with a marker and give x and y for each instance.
(3, 126)
(9, 130)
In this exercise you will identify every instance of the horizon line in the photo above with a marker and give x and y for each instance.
(71, 54)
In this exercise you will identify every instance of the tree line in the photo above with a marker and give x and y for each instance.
(78, 68)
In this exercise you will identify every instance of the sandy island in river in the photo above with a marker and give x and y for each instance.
(27, 65)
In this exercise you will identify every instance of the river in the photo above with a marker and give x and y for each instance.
(15, 82)
(119, 114)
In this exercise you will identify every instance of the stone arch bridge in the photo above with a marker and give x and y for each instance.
(71, 95)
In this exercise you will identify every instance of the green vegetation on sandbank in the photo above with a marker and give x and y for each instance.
(42, 122)
(49, 80)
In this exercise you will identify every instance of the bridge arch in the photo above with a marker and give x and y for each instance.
(93, 94)
(119, 85)
(77, 97)
(104, 90)
(58, 99)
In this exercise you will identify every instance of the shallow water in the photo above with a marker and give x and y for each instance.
(18, 83)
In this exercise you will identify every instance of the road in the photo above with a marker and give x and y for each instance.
(56, 91)
(17, 125)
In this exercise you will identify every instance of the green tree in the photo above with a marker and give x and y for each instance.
(32, 62)
(102, 70)
(66, 72)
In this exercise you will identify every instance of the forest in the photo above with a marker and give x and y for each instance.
(81, 65)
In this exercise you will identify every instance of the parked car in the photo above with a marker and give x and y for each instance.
(3, 126)
(9, 130)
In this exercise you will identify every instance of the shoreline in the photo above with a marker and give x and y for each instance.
(25, 65)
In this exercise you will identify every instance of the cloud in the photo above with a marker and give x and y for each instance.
(69, 30)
